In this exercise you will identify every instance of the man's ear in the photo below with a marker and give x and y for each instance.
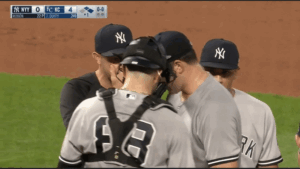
(235, 74)
(159, 72)
(158, 77)
(178, 67)
(97, 57)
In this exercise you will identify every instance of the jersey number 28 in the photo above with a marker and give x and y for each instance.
(137, 145)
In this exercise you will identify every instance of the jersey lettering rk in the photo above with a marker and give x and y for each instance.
(259, 143)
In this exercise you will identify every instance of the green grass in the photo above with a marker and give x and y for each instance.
(286, 111)
(31, 128)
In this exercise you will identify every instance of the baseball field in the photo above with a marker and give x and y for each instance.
(38, 56)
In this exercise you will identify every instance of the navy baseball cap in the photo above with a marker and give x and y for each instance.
(112, 40)
(220, 53)
(175, 43)
(145, 52)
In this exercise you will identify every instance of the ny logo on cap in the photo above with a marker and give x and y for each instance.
(220, 53)
(120, 37)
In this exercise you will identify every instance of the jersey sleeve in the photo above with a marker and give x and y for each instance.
(174, 99)
(70, 98)
(220, 132)
(270, 154)
(72, 150)
(180, 153)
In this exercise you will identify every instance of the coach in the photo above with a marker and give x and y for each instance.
(110, 43)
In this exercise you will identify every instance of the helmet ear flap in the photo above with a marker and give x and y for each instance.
(168, 73)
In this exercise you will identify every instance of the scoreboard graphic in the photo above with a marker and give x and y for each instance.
(58, 11)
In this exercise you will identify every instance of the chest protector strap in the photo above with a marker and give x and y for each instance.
(119, 131)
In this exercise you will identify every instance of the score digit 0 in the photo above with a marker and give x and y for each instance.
(98, 9)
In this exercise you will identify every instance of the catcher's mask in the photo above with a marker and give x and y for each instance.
(168, 71)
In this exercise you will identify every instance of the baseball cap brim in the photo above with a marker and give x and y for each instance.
(113, 52)
(139, 61)
(218, 65)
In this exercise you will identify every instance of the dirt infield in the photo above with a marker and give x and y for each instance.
(266, 33)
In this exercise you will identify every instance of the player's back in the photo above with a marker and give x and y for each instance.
(159, 140)
(259, 144)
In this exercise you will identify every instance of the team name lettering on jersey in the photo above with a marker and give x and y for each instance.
(248, 146)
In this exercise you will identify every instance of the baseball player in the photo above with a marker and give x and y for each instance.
(205, 105)
(259, 144)
(110, 43)
(297, 138)
(129, 127)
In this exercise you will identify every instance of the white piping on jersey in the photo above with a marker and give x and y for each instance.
(68, 162)
(271, 162)
(223, 160)
(116, 163)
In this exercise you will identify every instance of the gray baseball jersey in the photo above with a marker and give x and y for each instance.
(214, 123)
(259, 142)
(160, 138)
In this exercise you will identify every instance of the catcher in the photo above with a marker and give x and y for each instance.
(129, 127)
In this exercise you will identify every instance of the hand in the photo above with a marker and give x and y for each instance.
(297, 138)
(116, 76)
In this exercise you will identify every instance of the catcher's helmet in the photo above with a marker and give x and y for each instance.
(147, 52)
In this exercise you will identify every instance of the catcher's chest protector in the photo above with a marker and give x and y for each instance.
(120, 131)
